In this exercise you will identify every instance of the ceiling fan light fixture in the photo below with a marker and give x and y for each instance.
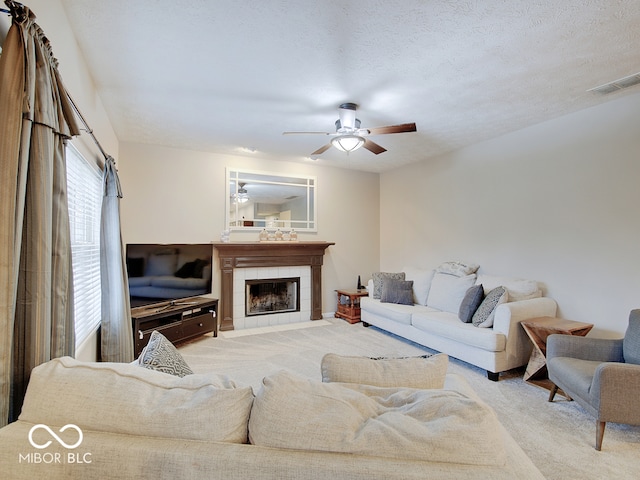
(241, 196)
(348, 143)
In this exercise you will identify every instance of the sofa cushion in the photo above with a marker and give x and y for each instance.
(378, 279)
(140, 281)
(470, 303)
(459, 269)
(421, 283)
(162, 356)
(161, 264)
(447, 325)
(576, 374)
(400, 423)
(393, 311)
(176, 282)
(413, 372)
(125, 399)
(487, 310)
(447, 291)
(397, 291)
(518, 288)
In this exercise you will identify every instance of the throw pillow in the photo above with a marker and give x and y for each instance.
(459, 269)
(198, 269)
(186, 270)
(518, 288)
(135, 266)
(162, 356)
(421, 283)
(397, 291)
(447, 291)
(428, 371)
(487, 309)
(378, 278)
(470, 303)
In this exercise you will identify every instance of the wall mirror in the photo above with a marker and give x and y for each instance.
(257, 200)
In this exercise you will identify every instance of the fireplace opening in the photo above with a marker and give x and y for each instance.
(272, 295)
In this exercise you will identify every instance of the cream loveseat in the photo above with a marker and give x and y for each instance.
(108, 421)
(426, 307)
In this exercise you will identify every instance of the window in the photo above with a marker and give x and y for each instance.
(84, 191)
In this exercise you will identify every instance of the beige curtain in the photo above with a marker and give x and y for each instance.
(36, 285)
(116, 333)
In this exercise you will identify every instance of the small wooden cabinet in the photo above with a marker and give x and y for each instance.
(178, 320)
(349, 304)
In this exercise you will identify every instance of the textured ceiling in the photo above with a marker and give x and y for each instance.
(220, 75)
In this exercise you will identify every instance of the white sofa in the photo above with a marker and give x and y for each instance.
(125, 421)
(432, 318)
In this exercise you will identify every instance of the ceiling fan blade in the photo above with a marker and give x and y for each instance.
(373, 147)
(306, 133)
(322, 149)
(405, 127)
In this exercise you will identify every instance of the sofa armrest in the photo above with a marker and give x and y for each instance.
(584, 348)
(507, 321)
(509, 315)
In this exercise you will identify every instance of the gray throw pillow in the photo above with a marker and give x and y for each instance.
(379, 277)
(487, 309)
(161, 355)
(397, 291)
(470, 303)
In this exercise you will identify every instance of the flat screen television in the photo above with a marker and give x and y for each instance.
(167, 272)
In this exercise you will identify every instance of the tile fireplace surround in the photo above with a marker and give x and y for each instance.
(262, 260)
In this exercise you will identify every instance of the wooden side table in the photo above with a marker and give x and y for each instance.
(538, 329)
(349, 310)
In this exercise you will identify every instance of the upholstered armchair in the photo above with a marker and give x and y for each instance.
(602, 375)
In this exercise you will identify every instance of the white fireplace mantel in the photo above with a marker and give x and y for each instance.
(268, 254)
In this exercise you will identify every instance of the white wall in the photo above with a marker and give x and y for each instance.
(178, 196)
(52, 19)
(557, 202)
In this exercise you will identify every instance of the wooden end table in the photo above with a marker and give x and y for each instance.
(350, 311)
(538, 329)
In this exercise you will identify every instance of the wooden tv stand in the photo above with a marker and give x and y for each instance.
(178, 320)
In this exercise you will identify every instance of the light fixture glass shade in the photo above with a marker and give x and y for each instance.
(242, 196)
(348, 143)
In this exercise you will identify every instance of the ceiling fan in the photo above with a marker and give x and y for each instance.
(349, 137)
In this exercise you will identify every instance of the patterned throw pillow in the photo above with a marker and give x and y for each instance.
(470, 303)
(379, 277)
(161, 355)
(487, 309)
(397, 291)
(459, 269)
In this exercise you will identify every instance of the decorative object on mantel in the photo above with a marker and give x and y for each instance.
(278, 236)
(224, 236)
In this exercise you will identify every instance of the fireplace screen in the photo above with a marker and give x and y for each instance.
(274, 295)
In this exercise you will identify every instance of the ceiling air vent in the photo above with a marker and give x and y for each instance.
(616, 85)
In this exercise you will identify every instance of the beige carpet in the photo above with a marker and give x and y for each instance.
(558, 436)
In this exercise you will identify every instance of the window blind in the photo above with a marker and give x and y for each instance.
(84, 191)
